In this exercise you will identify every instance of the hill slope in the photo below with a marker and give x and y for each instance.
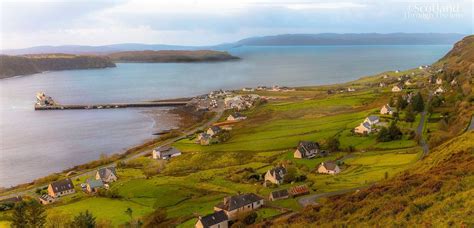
(22, 65)
(439, 192)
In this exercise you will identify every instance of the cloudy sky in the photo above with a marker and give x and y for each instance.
(203, 22)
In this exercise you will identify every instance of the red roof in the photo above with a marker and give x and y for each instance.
(298, 190)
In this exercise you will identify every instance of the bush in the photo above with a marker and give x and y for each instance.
(333, 143)
(250, 218)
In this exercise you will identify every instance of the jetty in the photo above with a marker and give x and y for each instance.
(47, 103)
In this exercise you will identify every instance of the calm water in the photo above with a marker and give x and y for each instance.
(34, 144)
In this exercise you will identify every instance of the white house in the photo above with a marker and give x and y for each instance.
(386, 110)
(329, 167)
(397, 88)
(214, 130)
(275, 175)
(236, 117)
(439, 81)
(107, 174)
(363, 128)
(372, 120)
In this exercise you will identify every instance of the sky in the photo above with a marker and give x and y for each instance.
(26, 23)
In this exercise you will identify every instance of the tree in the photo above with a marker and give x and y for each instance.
(391, 102)
(410, 115)
(36, 215)
(418, 103)
(394, 131)
(19, 215)
(333, 143)
(84, 220)
(383, 135)
(250, 218)
(156, 218)
(290, 174)
(401, 102)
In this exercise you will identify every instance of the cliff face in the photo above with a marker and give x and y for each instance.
(171, 56)
(30, 64)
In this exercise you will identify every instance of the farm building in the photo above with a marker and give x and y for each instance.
(298, 190)
(46, 199)
(280, 194)
(165, 152)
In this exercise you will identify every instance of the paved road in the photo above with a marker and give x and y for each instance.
(471, 126)
(219, 111)
(419, 130)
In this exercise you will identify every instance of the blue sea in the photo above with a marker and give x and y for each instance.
(34, 144)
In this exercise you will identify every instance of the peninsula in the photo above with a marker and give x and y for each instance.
(168, 56)
(11, 66)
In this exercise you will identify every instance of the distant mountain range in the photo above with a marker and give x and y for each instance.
(277, 40)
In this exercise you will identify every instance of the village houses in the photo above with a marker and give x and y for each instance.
(46, 199)
(165, 152)
(61, 188)
(307, 149)
(386, 110)
(107, 174)
(329, 167)
(235, 205)
(217, 219)
(275, 175)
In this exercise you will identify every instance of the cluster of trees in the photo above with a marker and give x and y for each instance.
(391, 133)
(416, 105)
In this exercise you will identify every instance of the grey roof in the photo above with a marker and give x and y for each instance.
(278, 172)
(279, 194)
(95, 183)
(46, 197)
(373, 118)
(306, 146)
(167, 151)
(62, 185)
(216, 129)
(366, 125)
(329, 165)
(233, 202)
(106, 172)
(214, 218)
